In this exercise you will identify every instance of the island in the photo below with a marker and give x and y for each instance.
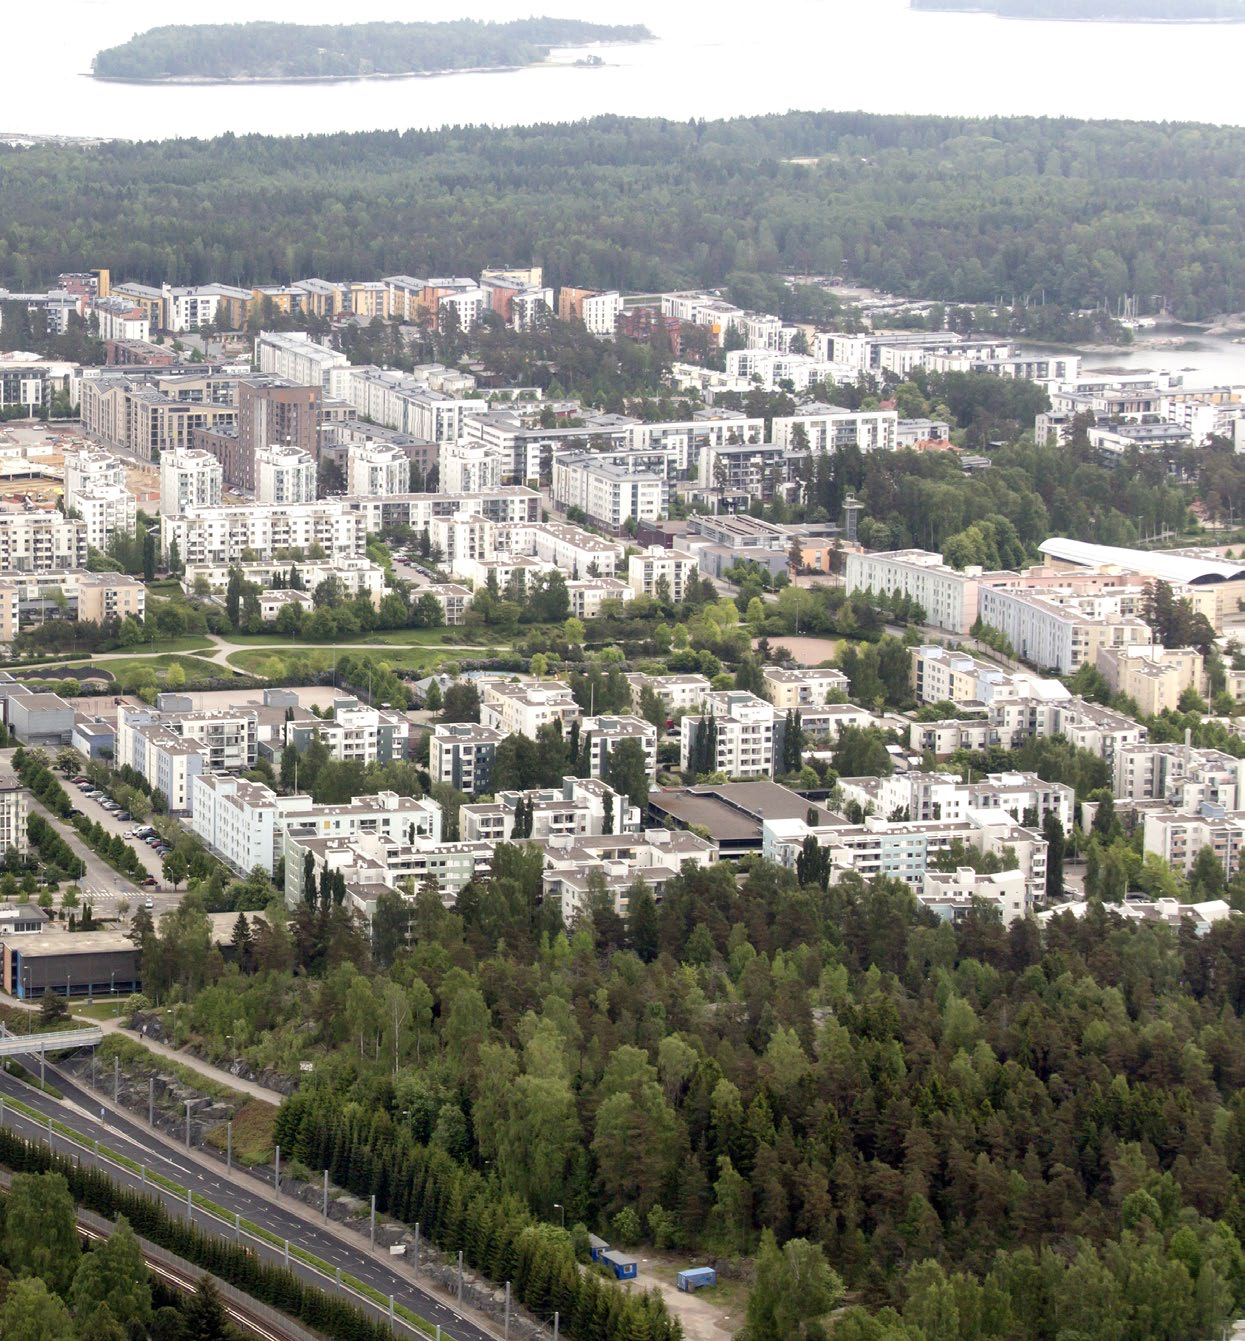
(255, 52)
(1099, 11)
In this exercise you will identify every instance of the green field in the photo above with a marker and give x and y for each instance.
(390, 637)
(262, 661)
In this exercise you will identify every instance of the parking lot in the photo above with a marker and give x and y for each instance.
(92, 808)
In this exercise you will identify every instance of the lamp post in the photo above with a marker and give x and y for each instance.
(557, 1206)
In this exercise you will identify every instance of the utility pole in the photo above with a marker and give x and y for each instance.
(276, 1172)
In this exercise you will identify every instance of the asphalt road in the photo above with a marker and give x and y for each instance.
(130, 1138)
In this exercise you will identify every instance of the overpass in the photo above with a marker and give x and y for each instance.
(59, 1040)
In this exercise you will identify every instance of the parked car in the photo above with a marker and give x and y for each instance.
(149, 882)
(124, 815)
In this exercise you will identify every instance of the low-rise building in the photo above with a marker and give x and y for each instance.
(679, 693)
(579, 806)
(38, 719)
(353, 732)
(576, 866)
(522, 709)
(1153, 676)
(954, 895)
(601, 735)
(802, 687)
(1183, 776)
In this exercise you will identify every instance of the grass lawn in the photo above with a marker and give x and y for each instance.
(188, 642)
(194, 667)
(439, 637)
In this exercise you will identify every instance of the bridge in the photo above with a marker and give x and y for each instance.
(59, 1040)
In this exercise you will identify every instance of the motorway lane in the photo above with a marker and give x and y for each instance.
(139, 1143)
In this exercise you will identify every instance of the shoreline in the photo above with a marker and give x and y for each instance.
(1067, 18)
(233, 81)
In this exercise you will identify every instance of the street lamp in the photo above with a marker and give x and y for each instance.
(557, 1206)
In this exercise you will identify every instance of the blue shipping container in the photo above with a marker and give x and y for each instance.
(696, 1278)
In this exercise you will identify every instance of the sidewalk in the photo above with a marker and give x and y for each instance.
(216, 1073)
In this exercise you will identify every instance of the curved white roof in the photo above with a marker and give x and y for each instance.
(1166, 567)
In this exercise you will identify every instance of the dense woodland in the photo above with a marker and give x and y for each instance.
(1076, 213)
(239, 51)
(994, 1134)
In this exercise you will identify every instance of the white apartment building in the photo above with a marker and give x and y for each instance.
(942, 675)
(222, 535)
(743, 729)
(356, 576)
(645, 571)
(609, 493)
(575, 865)
(189, 479)
(826, 427)
(377, 469)
(579, 806)
(523, 709)
(355, 732)
(604, 733)
(295, 357)
(1185, 777)
(237, 820)
(470, 467)
(463, 538)
(577, 552)
(14, 808)
(947, 595)
(284, 476)
(679, 693)
(438, 417)
(120, 319)
(41, 542)
(1061, 631)
(768, 368)
(601, 312)
(245, 822)
(1178, 836)
(509, 503)
(952, 895)
(469, 305)
(370, 864)
(803, 687)
(588, 594)
(95, 489)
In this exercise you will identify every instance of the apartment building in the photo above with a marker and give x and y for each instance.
(461, 754)
(603, 734)
(32, 599)
(452, 598)
(522, 709)
(229, 737)
(33, 384)
(462, 539)
(40, 542)
(1178, 836)
(509, 503)
(268, 414)
(589, 594)
(948, 595)
(354, 732)
(284, 476)
(741, 729)
(802, 687)
(597, 310)
(95, 489)
(150, 411)
(1153, 676)
(294, 357)
(1062, 631)
(609, 493)
(645, 572)
(356, 576)
(470, 467)
(574, 866)
(943, 675)
(953, 896)
(1181, 775)
(377, 469)
(679, 693)
(223, 535)
(823, 428)
(579, 806)
(14, 808)
(189, 479)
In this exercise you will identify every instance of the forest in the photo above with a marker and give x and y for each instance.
(962, 1132)
(242, 51)
(1073, 214)
(1103, 11)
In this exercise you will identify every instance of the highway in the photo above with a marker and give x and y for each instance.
(286, 1219)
